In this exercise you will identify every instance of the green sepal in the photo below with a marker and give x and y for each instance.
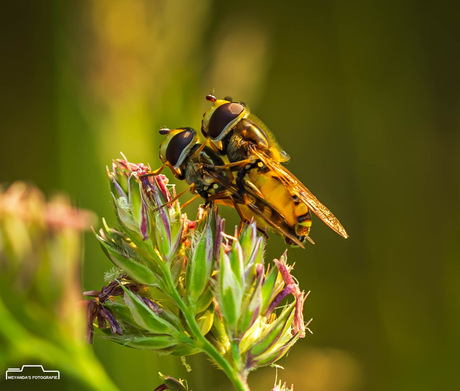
(163, 232)
(121, 175)
(120, 311)
(218, 335)
(267, 288)
(138, 206)
(251, 307)
(154, 342)
(185, 350)
(199, 265)
(176, 228)
(248, 239)
(236, 263)
(257, 255)
(255, 258)
(205, 322)
(205, 300)
(231, 292)
(274, 331)
(277, 352)
(124, 214)
(138, 272)
(145, 317)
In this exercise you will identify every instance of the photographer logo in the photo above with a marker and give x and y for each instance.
(32, 372)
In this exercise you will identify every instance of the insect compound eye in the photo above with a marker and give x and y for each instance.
(179, 144)
(222, 116)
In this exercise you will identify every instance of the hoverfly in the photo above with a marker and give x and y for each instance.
(208, 177)
(252, 149)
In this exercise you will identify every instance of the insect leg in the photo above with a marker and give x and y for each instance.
(189, 201)
(230, 165)
(156, 172)
(191, 187)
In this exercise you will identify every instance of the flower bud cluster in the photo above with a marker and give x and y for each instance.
(249, 295)
(185, 287)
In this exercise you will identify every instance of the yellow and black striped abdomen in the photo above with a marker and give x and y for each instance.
(282, 199)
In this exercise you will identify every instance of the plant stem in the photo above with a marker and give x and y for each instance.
(238, 380)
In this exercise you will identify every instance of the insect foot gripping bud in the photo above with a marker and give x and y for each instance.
(217, 295)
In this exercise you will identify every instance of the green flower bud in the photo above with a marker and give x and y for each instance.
(205, 322)
(216, 294)
(138, 206)
(200, 263)
(122, 253)
(231, 291)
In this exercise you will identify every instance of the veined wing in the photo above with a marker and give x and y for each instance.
(303, 193)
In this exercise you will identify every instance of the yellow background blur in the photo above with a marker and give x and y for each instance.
(363, 95)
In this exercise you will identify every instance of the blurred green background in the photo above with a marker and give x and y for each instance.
(363, 95)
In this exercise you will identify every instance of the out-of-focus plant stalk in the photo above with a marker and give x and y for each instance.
(40, 244)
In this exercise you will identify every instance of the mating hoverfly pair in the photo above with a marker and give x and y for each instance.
(251, 179)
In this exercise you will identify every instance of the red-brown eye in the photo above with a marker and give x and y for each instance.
(178, 144)
(222, 116)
